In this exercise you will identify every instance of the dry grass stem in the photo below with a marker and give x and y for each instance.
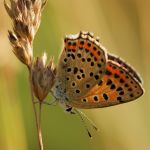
(26, 18)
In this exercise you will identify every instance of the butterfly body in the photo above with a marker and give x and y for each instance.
(89, 77)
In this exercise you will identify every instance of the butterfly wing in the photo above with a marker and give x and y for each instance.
(125, 65)
(117, 86)
(81, 66)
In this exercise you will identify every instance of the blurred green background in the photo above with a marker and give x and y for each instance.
(123, 27)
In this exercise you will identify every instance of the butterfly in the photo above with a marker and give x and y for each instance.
(90, 77)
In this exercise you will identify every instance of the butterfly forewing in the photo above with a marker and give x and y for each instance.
(81, 66)
(117, 86)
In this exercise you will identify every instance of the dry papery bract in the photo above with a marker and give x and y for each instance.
(42, 77)
(26, 18)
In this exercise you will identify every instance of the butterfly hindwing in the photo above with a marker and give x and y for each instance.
(125, 65)
(117, 86)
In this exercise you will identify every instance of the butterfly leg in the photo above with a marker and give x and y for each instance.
(53, 103)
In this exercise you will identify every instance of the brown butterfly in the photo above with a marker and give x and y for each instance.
(89, 77)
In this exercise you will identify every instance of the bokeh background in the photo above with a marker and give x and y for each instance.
(124, 29)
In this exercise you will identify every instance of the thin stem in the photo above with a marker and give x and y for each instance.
(40, 131)
(35, 112)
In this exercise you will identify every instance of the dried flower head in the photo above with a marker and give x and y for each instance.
(42, 77)
(26, 17)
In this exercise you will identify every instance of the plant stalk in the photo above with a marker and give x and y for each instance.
(40, 128)
(37, 118)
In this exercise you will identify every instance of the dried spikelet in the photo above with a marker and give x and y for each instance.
(26, 17)
(42, 77)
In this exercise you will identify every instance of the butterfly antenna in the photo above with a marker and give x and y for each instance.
(89, 120)
(83, 122)
(82, 116)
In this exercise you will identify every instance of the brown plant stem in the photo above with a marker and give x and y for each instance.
(37, 121)
(40, 128)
